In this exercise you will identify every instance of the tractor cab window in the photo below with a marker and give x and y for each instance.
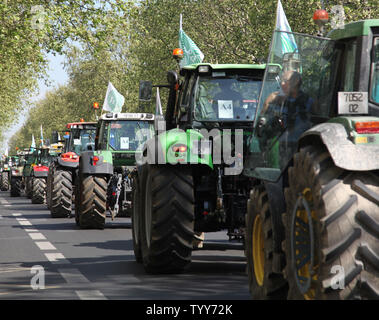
(350, 64)
(127, 135)
(289, 103)
(374, 90)
(226, 97)
(82, 140)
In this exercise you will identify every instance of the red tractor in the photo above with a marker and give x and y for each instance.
(63, 171)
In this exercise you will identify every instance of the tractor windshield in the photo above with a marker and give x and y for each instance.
(128, 135)
(226, 96)
(304, 69)
(375, 73)
(82, 140)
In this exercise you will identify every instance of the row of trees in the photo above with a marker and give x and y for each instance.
(125, 41)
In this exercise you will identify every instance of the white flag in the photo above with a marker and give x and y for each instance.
(287, 42)
(113, 100)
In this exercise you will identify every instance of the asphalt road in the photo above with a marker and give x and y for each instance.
(46, 258)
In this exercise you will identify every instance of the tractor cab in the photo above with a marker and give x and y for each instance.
(218, 95)
(81, 138)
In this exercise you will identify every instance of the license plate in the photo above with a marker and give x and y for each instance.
(352, 102)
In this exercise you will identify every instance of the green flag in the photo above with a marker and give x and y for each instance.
(192, 53)
(113, 100)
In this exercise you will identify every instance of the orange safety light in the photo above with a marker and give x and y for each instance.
(178, 54)
(320, 17)
(81, 120)
(96, 105)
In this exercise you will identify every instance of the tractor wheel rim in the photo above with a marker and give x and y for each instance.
(258, 250)
(148, 212)
(302, 245)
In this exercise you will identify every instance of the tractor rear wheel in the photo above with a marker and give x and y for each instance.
(332, 229)
(61, 193)
(28, 187)
(16, 187)
(92, 202)
(167, 224)
(264, 283)
(38, 190)
(136, 221)
(4, 181)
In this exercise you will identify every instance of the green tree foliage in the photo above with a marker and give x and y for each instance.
(125, 41)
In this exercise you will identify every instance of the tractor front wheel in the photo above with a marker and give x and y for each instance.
(167, 224)
(38, 190)
(61, 193)
(16, 186)
(264, 283)
(4, 181)
(332, 229)
(91, 202)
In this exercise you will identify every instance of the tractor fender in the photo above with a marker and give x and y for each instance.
(69, 164)
(87, 166)
(345, 154)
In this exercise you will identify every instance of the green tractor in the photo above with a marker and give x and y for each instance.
(104, 180)
(189, 180)
(313, 220)
(16, 182)
(30, 160)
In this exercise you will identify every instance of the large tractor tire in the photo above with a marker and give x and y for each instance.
(136, 221)
(332, 229)
(38, 190)
(61, 193)
(28, 187)
(4, 181)
(16, 187)
(265, 283)
(92, 194)
(167, 224)
(49, 187)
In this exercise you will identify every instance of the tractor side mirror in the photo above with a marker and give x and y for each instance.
(172, 77)
(145, 90)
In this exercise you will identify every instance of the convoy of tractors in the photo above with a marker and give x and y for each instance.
(282, 156)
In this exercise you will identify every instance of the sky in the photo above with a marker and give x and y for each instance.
(57, 75)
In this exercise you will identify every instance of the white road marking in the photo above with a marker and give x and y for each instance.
(30, 230)
(72, 275)
(21, 219)
(16, 214)
(45, 245)
(90, 295)
(37, 236)
(56, 258)
(25, 223)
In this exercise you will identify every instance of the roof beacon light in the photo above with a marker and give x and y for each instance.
(178, 54)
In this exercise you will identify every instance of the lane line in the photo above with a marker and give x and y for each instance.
(37, 236)
(72, 276)
(90, 295)
(45, 245)
(25, 223)
(56, 258)
(16, 214)
(30, 230)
